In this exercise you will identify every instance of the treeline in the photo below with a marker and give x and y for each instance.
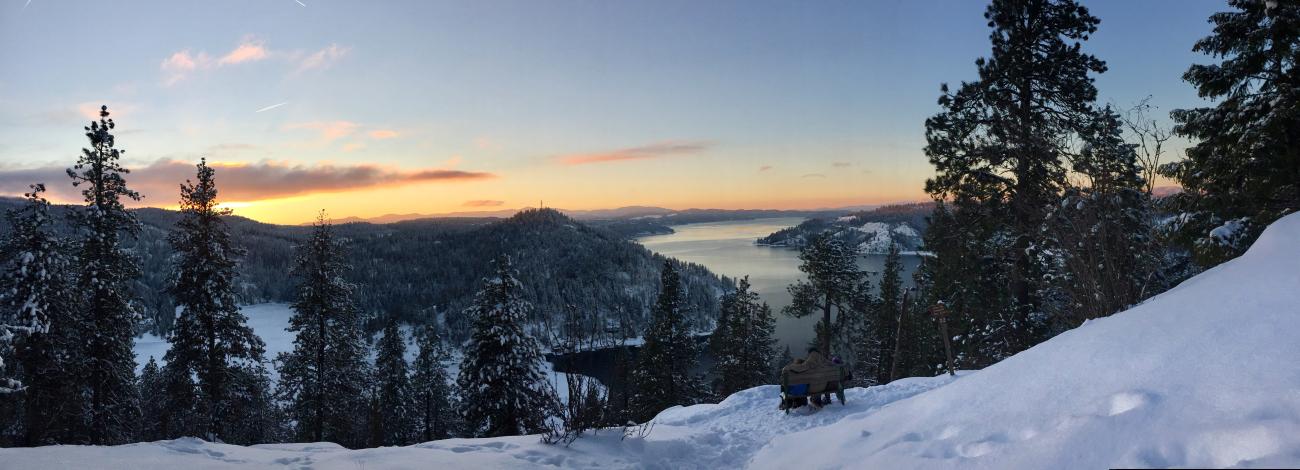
(1044, 214)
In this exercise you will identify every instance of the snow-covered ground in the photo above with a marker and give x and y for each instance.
(1204, 375)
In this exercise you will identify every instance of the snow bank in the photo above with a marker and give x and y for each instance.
(1204, 375)
(723, 435)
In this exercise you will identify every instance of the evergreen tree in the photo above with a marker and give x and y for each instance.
(884, 334)
(434, 416)
(392, 399)
(36, 321)
(323, 381)
(743, 341)
(211, 337)
(662, 375)
(1000, 146)
(501, 381)
(1245, 170)
(105, 370)
(152, 397)
(834, 281)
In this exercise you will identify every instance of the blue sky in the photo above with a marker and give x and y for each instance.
(673, 103)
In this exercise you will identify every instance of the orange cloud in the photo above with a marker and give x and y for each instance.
(765, 168)
(241, 181)
(483, 203)
(382, 134)
(249, 50)
(645, 152)
(351, 146)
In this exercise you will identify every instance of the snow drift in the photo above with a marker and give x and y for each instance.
(1202, 375)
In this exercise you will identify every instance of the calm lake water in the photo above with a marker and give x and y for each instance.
(727, 248)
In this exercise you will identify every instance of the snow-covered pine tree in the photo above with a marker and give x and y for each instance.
(1245, 170)
(106, 370)
(211, 337)
(36, 314)
(742, 343)
(323, 381)
(502, 387)
(999, 148)
(834, 281)
(33, 286)
(662, 375)
(392, 401)
(152, 399)
(432, 407)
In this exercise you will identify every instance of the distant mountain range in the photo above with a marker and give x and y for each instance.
(871, 231)
(662, 215)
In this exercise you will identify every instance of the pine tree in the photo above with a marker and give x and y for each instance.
(662, 375)
(432, 402)
(323, 381)
(152, 397)
(37, 314)
(834, 281)
(393, 397)
(743, 341)
(501, 381)
(211, 336)
(106, 366)
(884, 334)
(1000, 145)
(1245, 170)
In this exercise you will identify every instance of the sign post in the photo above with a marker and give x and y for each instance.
(940, 313)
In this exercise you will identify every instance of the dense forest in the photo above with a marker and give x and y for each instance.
(872, 231)
(426, 270)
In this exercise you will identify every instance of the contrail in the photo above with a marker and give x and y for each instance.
(268, 108)
(29, 2)
(299, 2)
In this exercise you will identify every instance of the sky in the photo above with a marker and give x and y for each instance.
(371, 108)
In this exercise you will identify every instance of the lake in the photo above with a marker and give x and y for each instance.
(728, 249)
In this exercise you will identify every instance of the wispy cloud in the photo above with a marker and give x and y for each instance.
(841, 164)
(483, 203)
(241, 181)
(644, 152)
(322, 59)
(765, 168)
(249, 50)
(329, 130)
(181, 64)
(813, 175)
(383, 134)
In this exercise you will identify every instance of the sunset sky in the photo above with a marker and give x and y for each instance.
(370, 108)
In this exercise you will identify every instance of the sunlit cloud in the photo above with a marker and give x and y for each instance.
(181, 64)
(247, 51)
(483, 203)
(383, 134)
(645, 152)
(353, 146)
(159, 181)
(329, 130)
(841, 164)
(765, 168)
(90, 110)
(485, 143)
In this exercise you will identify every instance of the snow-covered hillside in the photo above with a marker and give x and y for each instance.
(1203, 375)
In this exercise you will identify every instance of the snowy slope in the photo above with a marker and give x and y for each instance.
(1203, 375)
(723, 435)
